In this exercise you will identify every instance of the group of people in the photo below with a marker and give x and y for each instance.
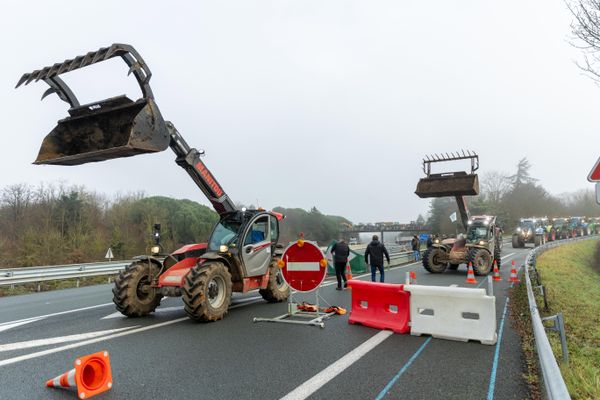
(374, 257)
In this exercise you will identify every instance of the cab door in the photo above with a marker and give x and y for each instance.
(257, 245)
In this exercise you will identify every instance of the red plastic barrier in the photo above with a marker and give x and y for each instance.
(380, 305)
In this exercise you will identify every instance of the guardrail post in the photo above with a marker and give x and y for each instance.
(559, 326)
(38, 286)
(77, 284)
(543, 293)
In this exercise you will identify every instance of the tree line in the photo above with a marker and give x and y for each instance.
(60, 224)
(511, 197)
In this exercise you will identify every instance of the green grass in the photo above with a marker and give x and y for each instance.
(54, 285)
(570, 275)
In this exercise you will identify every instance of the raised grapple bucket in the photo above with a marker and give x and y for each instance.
(446, 185)
(112, 128)
(449, 184)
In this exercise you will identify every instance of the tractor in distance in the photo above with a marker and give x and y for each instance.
(579, 226)
(529, 230)
(560, 228)
(482, 244)
(242, 251)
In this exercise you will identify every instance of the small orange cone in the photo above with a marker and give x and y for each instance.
(348, 271)
(91, 376)
(513, 274)
(470, 275)
(497, 276)
(413, 277)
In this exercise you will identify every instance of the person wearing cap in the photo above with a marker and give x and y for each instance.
(340, 252)
(374, 257)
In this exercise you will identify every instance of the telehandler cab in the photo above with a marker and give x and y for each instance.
(242, 251)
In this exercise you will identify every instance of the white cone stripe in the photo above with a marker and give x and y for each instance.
(71, 378)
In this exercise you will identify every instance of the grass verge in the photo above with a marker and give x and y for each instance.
(570, 275)
(54, 285)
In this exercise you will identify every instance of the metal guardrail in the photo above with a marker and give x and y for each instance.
(17, 276)
(554, 384)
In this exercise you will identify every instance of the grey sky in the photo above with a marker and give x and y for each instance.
(302, 103)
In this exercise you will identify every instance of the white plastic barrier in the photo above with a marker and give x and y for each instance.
(452, 313)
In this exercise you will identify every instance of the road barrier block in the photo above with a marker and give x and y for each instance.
(380, 306)
(453, 313)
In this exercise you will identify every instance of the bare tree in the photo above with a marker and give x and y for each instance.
(494, 185)
(586, 31)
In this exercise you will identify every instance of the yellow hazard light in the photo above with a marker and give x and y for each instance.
(300, 242)
(281, 263)
(323, 263)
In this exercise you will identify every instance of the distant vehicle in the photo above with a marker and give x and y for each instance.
(530, 230)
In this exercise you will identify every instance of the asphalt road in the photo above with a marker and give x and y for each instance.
(168, 356)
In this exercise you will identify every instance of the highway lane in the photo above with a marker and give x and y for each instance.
(169, 356)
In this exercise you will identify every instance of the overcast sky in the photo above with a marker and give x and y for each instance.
(303, 103)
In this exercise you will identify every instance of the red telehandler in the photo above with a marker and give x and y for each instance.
(242, 251)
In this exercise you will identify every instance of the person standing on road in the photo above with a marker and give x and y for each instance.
(416, 247)
(429, 241)
(374, 257)
(340, 252)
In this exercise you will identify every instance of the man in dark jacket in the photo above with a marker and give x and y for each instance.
(416, 247)
(340, 251)
(374, 257)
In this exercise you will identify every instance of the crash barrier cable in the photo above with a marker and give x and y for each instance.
(554, 384)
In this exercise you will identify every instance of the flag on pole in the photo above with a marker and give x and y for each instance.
(453, 217)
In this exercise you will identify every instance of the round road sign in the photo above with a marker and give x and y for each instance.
(303, 266)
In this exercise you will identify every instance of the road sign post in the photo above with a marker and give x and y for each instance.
(303, 266)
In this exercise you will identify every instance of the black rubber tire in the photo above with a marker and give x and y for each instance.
(430, 260)
(127, 294)
(277, 289)
(196, 291)
(453, 267)
(481, 259)
(515, 242)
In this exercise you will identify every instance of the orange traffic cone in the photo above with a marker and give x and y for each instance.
(497, 276)
(513, 274)
(348, 271)
(91, 376)
(470, 274)
(413, 277)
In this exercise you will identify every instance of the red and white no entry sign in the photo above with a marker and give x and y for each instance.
(594, 175)
(303, 266)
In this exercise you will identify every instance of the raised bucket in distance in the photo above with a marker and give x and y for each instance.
(448, 185)
(112, 128)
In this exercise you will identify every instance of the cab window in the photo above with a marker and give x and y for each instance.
(258, 231)
(274, 229)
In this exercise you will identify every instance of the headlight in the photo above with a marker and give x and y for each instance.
(482, 242)
(518, 229)
(155, 249)
(223, 248)
(436, 241)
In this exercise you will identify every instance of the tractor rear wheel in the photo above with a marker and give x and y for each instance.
(481, 259)
(133, 294)
(435, 260)
(207, 292)
(277, 289)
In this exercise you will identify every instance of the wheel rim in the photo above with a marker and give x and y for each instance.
(216, 291)
(143, 290)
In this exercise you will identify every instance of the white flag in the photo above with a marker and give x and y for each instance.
(453, 217)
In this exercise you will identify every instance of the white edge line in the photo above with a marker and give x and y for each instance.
(57, 313)
(316, 382)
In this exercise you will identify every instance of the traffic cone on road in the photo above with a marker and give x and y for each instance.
(471, 275)
(513, 273)
(348, 271)
(497, 276)
(413, 277)
(91, 376)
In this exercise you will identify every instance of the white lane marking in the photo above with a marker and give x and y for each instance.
(316, 382)
(25, 357)
(7, 326)
(61, 339)
(170, 309)
(54, 314)
(334, 282)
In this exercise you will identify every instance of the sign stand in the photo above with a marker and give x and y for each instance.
(316, 317)
(303, 267)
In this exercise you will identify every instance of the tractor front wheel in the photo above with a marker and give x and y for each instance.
(435, 260)
(207, 292)
(481, 259)
(133, 293)
(277, 289)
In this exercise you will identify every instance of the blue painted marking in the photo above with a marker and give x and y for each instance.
(490, 395)
(404, 368)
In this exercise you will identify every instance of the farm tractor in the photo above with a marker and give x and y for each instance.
(561, 229)
(482, 243)
(530, 230)
(242, 251)
(579, 226)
